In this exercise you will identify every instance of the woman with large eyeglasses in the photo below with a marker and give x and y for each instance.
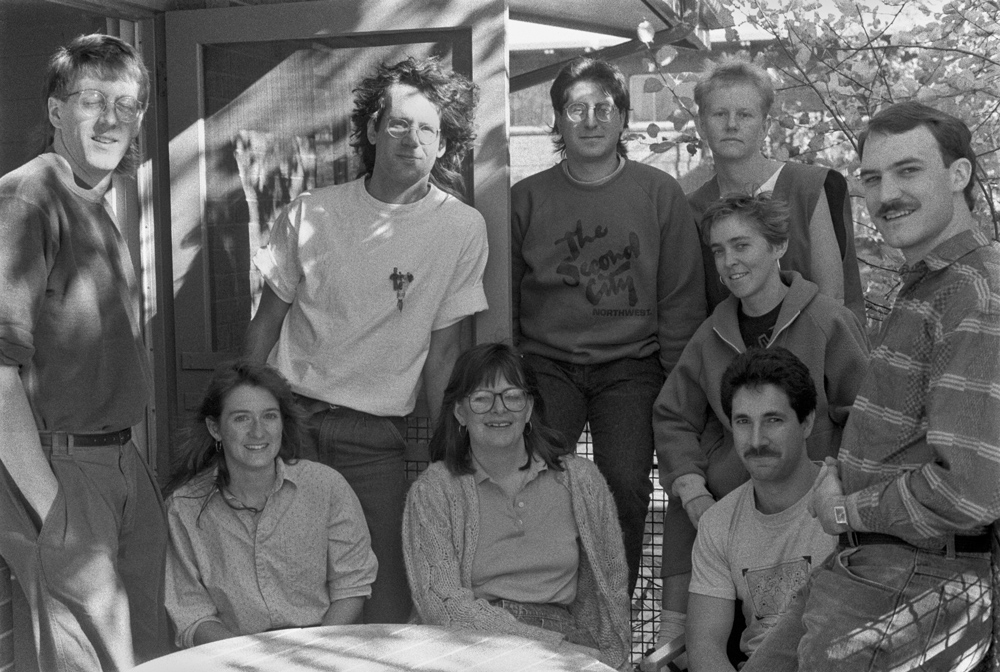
(506, 533)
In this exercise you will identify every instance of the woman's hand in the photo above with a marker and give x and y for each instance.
(211, 631)
(697, 507)
(345, 611)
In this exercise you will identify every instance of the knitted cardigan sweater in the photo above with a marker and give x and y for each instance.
(440, 534)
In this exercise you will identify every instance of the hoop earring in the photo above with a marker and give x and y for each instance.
(722, 279)
(218, 446)
(527, 428)
(462, 429)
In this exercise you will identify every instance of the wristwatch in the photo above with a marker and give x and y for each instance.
(840, 515)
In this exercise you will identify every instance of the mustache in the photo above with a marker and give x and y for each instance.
(761, 451)
(892, 206)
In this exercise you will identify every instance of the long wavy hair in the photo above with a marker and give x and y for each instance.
(481, 366)
(201, 453)
(454, 97)
(101, 57)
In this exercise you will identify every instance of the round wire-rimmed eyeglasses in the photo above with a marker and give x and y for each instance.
(603, 112)
(400, 128)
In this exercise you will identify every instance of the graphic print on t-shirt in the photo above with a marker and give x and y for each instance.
(771, 589)
(603, 271)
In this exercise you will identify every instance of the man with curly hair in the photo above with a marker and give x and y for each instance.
(366, 286)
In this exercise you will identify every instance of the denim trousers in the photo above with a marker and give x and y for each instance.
(616, 398)
(367, 450)
(93, 575)
(884, 607)
(552, 617)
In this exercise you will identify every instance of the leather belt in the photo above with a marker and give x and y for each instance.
(118, 438)
(963, 544)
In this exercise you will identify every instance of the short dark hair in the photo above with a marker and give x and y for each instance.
(101, 57)
(776, 366)
(482, 365)
(603, 74)
(732, 71)
(953, 136)
(454, 97)
(199, 452)
(770, 216)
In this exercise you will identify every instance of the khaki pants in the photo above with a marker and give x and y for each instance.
(93, 574)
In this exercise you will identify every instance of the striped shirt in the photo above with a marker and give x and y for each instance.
(920, 456)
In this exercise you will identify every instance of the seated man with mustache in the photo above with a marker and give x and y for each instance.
(759, 542)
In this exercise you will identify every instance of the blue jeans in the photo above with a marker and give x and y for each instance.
(552, 617)
(884, 607)
(367, 450)
(616, 398)
(93, 574)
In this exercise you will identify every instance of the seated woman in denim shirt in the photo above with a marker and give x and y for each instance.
(502, 533)
(259, 539)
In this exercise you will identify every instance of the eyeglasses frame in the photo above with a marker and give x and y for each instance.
(500, 394)
(127, 118)
(410, 129)
(612, 113)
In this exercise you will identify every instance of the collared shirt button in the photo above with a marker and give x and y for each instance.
(520, 505)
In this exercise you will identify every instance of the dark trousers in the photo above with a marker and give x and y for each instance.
(616, 398)
(367, 450)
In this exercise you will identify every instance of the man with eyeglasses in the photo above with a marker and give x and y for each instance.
(366, 287)
(607, 284)
(81, 519)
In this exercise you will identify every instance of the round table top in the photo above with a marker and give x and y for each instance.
(374, 648)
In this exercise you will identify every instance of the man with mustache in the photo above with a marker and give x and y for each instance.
(755, 547)
(913, 494)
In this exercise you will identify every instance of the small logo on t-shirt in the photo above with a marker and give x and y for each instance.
(771, 589)
(400, 281)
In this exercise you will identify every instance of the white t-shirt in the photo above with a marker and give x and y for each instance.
(368, 282)
(741, 553)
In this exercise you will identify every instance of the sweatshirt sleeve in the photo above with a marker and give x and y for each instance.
(846, 364)
(518, 223)
(25, 257)
(679, 418)
(434, 569)
(681, 304)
